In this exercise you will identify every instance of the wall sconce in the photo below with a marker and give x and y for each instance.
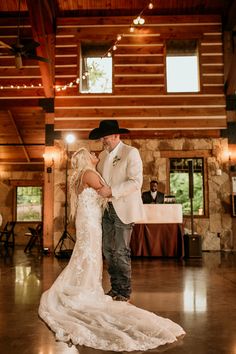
(232, 166)
(49, 162)
(49, 169)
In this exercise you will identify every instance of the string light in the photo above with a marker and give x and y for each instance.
(131, 29)
(137, 21)
(150, 5)
(57, 87)
(17, 86)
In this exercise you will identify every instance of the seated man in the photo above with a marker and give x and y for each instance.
(153, 196)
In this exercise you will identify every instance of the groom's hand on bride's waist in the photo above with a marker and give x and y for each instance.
(105, 191)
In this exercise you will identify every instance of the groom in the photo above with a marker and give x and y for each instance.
(121, 167)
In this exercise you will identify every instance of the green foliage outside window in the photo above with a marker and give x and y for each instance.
(29, 203)
(179, 185)
(99, 75)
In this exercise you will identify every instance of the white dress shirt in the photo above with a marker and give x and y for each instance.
(108, 163)
(154, 194)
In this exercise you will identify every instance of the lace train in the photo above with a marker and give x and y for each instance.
(76, 308)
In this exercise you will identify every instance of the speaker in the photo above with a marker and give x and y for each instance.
(192, 246)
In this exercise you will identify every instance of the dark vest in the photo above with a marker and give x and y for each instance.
(148, 199)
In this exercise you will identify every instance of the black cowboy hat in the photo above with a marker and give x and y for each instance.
(107, 127)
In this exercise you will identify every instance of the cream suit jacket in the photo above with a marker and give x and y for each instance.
(125, 182)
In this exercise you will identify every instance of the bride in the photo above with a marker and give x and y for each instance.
(76, 307)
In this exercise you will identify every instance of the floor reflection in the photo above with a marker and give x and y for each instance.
(62, 349)
(199, 294)
(194, 295)
(27, 285)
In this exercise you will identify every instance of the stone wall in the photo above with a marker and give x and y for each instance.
(216, 228)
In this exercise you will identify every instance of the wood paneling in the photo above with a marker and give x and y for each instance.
(139, 99)
(140, 112)
(140, 124)
(139, 96)
(162, 134)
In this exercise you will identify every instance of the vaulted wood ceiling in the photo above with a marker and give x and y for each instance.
(27, 94)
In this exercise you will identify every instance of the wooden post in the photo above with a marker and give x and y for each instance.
(48, 211)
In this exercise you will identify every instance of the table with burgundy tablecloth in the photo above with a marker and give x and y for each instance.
(160, 233)
(157, 240)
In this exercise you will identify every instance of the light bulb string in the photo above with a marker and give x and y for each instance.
(108, 53)
(149, 6)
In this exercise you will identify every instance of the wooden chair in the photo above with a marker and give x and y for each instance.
(36, 238)
(7, 236)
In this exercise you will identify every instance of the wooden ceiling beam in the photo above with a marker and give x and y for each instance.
(24, 166)
(42, 18)
(230, 82)
(45, 104)
(19, 135)
(8, 104)
(158, 134)
(230, 21)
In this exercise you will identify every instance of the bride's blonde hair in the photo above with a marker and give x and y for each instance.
(80, 161)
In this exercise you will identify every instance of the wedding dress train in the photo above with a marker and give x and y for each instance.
(78, 311)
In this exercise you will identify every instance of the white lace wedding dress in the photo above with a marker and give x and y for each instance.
(78, 311)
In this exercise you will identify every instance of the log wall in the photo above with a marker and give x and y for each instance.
(139, 99)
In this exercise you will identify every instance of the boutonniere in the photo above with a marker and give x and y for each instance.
(115, 160)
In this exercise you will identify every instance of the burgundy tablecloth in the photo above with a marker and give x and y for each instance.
(159, 240)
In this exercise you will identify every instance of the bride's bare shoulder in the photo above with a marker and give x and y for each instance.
(92, 179)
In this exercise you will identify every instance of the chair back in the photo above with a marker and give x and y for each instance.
(39, 228)
(8, 233)
(37, 231)
(6, 226)
(10, 226)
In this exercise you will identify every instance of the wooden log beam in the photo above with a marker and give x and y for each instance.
(230, 58)
(230, 21)
(161, 100)
(158, 124)
(24, 166)
(160, 134)
(47, 104)
(8, 104)
(48, 213)
(43, 27)
(19, 136)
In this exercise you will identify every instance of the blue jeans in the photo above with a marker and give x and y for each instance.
(116, 250)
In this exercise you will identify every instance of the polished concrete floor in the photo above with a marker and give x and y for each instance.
(199, 294)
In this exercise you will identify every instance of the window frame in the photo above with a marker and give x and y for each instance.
(105, 48)
(199, 68)
(26, 183)
(205, 181)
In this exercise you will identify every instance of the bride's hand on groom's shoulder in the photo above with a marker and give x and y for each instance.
(105, 191)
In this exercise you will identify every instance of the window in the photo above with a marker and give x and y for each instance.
(96, 70)
(182, 69)
(29, 203)
(179, 184)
